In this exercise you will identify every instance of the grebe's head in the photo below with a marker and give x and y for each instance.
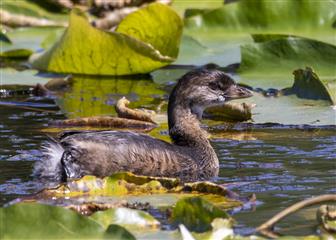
(202, 88)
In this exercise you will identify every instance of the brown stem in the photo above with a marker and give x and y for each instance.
(136, 114)
(297, 206)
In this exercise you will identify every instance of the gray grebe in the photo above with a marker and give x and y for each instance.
(190, 157)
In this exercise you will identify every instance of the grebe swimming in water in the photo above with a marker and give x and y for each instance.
(190, 156)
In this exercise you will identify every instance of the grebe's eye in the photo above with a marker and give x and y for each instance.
(214, 85)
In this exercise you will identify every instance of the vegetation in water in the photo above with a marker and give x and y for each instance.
(97, 52)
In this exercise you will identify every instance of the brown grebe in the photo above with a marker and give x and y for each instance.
(190, 157)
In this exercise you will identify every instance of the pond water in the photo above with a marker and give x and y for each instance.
(281, 165)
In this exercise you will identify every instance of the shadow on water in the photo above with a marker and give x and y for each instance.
(282, 166)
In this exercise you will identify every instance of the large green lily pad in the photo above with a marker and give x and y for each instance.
(221, 31)
(37, 221)
(291, 110)
(306, 18)
(145, 40)
(270, 63)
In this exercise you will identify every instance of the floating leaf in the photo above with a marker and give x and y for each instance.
(37, 221)
(224, 29)
(115, 232)
(16, 53)
(163, 191)
(326, 217)
(312, 19)
(270, 64)
(26, 77)
(29, 37)
(307, 84)
(196, 214)
(291, 110)
(30, 9)
(126, 217)
(131, 49)
(221, 229)
(181, 5)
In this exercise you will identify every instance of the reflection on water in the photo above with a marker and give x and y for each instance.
(91, 96)
(280, 166)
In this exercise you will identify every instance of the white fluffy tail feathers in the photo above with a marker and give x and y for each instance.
(50, 167)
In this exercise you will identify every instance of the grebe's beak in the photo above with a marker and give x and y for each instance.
(237, 92)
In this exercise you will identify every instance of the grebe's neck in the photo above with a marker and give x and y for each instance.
(184, 127)
(185, 130)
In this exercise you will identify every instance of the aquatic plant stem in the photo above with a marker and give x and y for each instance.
(294, 208)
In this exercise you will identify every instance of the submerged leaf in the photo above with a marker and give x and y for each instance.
(307, 84)
(131, 49)
(196, 214)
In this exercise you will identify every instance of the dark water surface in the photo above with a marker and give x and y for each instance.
(281, 166)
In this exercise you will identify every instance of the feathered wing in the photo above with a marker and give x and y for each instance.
(103, 153)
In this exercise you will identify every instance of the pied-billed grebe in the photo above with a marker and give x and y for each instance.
(190, 157)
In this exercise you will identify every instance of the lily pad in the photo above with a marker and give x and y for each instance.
(221, 229)
(116, 232)
(129, 50)
(208, 48)
(133, 187)
(181, 5)
(196, 214)
(311, 19)
(291, 110)
(29, 8)
(37, 221)
(29, 38)
(326, 217)
(16, 54)
(270, 64)
(307, 84)
(11, 76)
(129, 218)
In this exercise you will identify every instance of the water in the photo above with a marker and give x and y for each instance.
(282, 166)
